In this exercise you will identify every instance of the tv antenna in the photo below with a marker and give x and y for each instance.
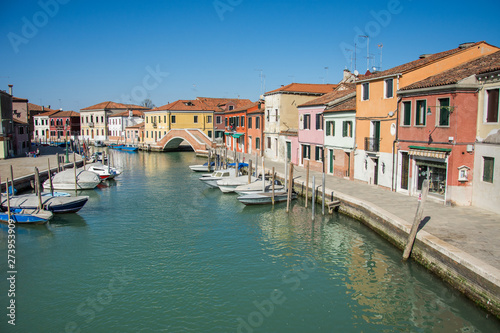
(367, 51)
(380, 46)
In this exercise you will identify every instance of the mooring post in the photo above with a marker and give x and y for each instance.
(418, 217)
(249, 171)
(307, 181)
(323, 195)
(313, 197)
(272, 195)
(37, 182)
(58, 166)
(8, 200)
(11, 179)
(289, 193)
(49, 173)
(76, 181)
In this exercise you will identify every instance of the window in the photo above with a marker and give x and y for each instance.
(209, 119)
(257, 143)
(444, 112)
(195, 119)
(52, 122)
(231, 107)
(210, 134)
(257, 122)
(236, 121)
(319, 153)
(268, 143)
(420, 113)
(277, 115)
(36, 122)
(319, 121)
(249, 122)
(406, 114)
(492, 106)
(102, 119)
(146, 120)
(307, 121)
(172, 119)
(389, 88)
(330, 128)
(225, 120)
(347, 129)
(365, 91)
(218, 120)
(488, 164)
(165, 119)
(242, 121)
(306, 151)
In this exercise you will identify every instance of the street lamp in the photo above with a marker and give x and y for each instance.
(66, 130)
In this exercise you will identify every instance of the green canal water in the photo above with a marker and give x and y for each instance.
(156, 251)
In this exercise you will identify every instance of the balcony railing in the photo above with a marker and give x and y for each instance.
(91, 124)
(372, 144)
(154, 125)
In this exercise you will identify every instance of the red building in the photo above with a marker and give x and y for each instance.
(437, 126)
(236, 128)
(255, 128)
(64, 125)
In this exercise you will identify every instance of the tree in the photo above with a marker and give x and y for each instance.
(148, 103)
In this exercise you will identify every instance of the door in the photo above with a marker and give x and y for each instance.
(348, 171)
(405, 163)
(332, 159)
(376, 136)
(375, 171)
(288, 151)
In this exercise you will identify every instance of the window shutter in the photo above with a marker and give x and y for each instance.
(328, 128)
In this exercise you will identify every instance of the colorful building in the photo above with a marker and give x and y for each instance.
(117, 124)
(236, 128)
(64, 125)
(41, 131)
(7, 128)
(437, 131)
(134, 134)
(94, 119)
(255, 128)
(377, 108)
(282, 118)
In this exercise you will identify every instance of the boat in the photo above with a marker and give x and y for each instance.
(65, 180)
(228, 185)
(264, 198)
(99, 143)
(55, 194)
(113, 172)
(102, 171)
(26, 216)
(53, 204)
(256, 187)
(115, 146)
(202, 167)
(129, 148)
(211, 179)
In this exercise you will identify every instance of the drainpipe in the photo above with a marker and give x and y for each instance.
(394, 153)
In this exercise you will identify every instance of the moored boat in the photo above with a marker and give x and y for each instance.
(26, 216)
(264, 198)
(257, 187)
(211, 179)
(228, 185)
(65, 180)
(53, 204)
(202, 167)
(129, 148)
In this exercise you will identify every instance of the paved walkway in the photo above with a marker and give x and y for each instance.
(470, 229)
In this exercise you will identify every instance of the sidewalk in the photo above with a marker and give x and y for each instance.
(474, 231)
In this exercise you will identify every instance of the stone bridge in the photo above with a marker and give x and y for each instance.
(198, 140)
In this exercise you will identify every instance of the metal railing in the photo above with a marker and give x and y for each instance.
(372, 144)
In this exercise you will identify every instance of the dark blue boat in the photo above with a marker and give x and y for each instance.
(26, 216)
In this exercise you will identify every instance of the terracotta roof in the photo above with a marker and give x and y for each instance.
(244, 107)
(18, 99)
(65, 114)
(341, 91)
(222, 102)
(34, 107)
(113, 105)
(346, 105)
(135, 113)
(305, 88)
(480, 65)
(202, 104)
(409, 66)
(46, 114)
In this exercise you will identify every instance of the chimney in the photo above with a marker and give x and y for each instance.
(10, 89)
(423, 56)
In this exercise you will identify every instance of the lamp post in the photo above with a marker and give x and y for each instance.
(67, 158)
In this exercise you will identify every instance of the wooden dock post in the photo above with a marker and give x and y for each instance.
(289, 193)
(58, 161)
(8, 200)
(249, 171)
(272, 195)
(263, 176)
(208, 155)
(11, 179)
(76, 182)
(323, 195)
(307, 181)
(418, 218)
(39, 192)
(49, 173)
(313, 197)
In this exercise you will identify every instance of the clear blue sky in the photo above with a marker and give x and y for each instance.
(80, 53)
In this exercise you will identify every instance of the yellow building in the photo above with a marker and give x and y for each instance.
(377, 109)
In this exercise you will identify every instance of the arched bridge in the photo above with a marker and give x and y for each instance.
(198, 140)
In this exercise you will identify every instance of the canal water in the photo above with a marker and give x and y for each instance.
(156, 251)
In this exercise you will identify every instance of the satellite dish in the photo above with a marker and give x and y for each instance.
(356, 72)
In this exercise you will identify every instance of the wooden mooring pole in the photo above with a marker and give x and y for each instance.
(249, 171)
(313, 197)
(323, 194)
(272, 195)
(418, 218)
(290, 183)
(307, 181)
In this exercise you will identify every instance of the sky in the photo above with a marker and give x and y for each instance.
(72, 54)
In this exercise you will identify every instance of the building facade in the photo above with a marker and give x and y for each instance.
(64, 125)
(120, 121)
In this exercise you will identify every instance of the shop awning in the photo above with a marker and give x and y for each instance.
(429, 152)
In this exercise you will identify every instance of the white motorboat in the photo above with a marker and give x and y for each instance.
(202, 167)
(51, 203)
(65, 180)
(264, 198)
(227, 185)
(256, 187)
(211, 179)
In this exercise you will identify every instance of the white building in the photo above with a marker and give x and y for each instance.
(117, 123)
(41, 130)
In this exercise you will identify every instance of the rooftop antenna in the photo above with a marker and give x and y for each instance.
(350, 50)
(380, 46)
(326, 68)
(367, 51)
(261, 80)
(355, 53)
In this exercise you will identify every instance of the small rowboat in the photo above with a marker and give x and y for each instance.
(26, 216)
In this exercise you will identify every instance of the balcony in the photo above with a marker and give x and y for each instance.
(90, 124)
(372, 144)
(154, 125)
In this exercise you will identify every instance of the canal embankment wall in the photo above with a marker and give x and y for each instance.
(476, 279)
